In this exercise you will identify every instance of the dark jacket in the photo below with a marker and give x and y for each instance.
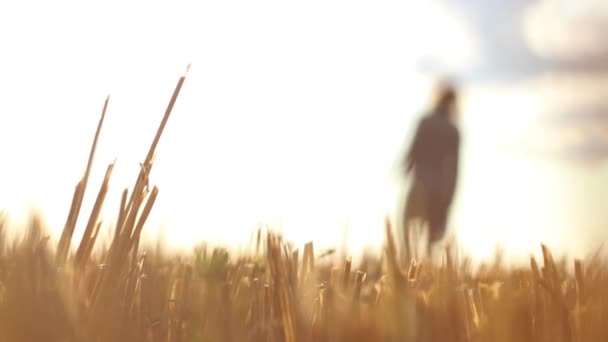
(433, 157)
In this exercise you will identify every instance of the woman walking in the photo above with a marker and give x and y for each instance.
(433, 160)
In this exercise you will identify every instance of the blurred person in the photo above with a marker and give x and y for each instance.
(433, 160)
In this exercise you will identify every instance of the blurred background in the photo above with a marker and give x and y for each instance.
(296, 115)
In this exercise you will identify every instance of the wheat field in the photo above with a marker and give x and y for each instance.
(122, 291)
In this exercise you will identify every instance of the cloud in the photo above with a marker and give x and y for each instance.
(568, 35)
(581, 132)
(494, 28)
(556, 117)
(572, 123)
(522, 39)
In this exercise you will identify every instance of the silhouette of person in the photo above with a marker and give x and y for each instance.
(433, 159)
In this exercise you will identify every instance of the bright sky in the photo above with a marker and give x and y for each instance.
(292, 113)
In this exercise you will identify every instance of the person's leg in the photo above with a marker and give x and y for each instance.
(437, 226)
(414, 218)
(409, 215)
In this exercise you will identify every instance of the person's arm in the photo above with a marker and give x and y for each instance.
(412, 156)
(451, 166)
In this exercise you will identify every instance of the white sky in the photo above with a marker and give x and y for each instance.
(292, 113)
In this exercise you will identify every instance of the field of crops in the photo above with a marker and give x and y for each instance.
(278, 292)
(286, 294)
